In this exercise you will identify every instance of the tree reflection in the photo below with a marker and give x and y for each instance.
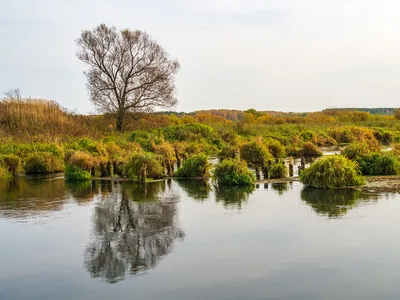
(334, 203)
(130, 237)
(196, 189)
(233, 196)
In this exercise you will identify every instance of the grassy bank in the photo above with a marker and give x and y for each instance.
(38, 136)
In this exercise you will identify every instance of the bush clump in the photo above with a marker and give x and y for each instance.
(332, 172)
(276, 149)
(74, 173)
(188, 132)
(11, 163)
(4, 172)
(278, 170)
(379, 164)
(194, 167)
(80, 159)
(255, 153)
(145, 165)
(233, 172)
(227, 153)
(355, 150)
(310, 150)
(43, 162)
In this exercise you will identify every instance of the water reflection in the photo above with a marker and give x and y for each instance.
(196, 189)
(131, 233)
(24, 197)
(147, 192)
(280, 188)
(85, 190)
(233, 196)
(334, 203)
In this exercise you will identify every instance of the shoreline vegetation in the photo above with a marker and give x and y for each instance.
(40, 137)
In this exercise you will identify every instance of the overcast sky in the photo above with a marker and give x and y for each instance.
(289, 55)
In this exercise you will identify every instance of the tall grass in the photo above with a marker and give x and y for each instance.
(233, 172)
(196, 166)
(332, 172)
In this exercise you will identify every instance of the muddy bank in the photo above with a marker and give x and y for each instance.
(382, 184)
(373, 184)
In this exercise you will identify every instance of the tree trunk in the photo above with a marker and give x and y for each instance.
(119, 119)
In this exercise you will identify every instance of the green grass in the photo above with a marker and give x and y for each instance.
(332, 172)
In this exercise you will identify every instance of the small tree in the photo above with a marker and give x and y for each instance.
(129, 72)
(13, 94)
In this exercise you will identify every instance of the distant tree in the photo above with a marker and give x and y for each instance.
(129, 72)
(13, 94)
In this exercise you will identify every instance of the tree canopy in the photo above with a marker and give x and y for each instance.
(129, 72)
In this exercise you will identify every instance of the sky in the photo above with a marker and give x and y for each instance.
(286, 55)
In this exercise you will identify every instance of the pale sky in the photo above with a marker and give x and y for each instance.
(289, 55)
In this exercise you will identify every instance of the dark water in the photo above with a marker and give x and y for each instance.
(187, 240)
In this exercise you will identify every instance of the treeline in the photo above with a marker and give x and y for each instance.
(40, 119)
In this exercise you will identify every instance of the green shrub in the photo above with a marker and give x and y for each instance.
(4, 173)
(43, 162)
(355, 150)
(278, 170)
(227, 152)
(146, 139)
(255, 153)
(194, 167)
(383, 136)
(310, 150)
(233, 172)
(12, 163)
(74, 173)
(79, 159)
(332, 172)
(276, 148)
(379, 164)
(145, 165)
(188, 132)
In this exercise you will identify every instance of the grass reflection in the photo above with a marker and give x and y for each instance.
(333, 203)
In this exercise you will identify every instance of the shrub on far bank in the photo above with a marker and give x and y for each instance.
(11, 163)
(4, 173)
(196, 166)
(227, 152)
(74, 173)
(255, 153)
(355, 150)
(43, 162)
(278, 170)
(276, 148)
(379, 164)
(233, 172)
(332, 172)
(80, 159)
(145, 165)
(310, 150)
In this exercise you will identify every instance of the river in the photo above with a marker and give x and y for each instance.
(189, 240)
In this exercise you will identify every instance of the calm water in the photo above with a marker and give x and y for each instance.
(186, 240)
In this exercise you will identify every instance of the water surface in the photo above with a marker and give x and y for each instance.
(188, 240)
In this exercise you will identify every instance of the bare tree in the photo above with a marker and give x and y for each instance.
(129, 71)
(13, 94)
